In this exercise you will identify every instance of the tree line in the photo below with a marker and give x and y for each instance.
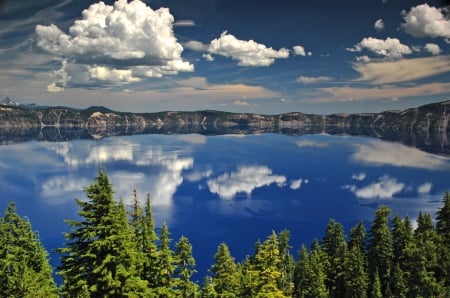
(115, 250)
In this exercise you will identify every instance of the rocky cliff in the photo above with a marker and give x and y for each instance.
(424, 127)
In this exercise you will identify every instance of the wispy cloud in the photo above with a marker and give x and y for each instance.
(360, 176)
(313, 80)
(244, 180)
(424, 188)
(404, 70)
(308, 143)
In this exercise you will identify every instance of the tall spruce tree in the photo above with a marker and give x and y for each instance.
(334, 245)
(286, 266)
(309, 274)
(24, 266)
(164, 286)
(224, 273)
(100, 259)
(185, 268)
(443, 230)
(380, 250)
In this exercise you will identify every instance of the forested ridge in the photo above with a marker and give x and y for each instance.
(115, 250)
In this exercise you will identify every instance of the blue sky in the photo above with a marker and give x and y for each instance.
(244, 56)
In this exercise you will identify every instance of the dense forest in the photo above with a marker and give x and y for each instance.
(116, 251)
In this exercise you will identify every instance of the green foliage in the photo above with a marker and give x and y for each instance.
(24, 267)
(100, 257)
(380, 250)
(110, 253)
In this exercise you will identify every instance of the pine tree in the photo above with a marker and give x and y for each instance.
(334, 245)
(185, 267)
(355, 273)
(286, 266)
(165, 267)
(24, 266)
(443, 230)
(380, 250)
(357, 237)
(225, 273)
(100, 258)
(309, 275)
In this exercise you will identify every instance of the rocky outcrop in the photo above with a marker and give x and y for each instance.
(423, 127)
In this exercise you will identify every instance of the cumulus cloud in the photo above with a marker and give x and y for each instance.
(379, 25)
(296, 184)
(247, 53)
(244, 180)
(404, 70)
(312, 80)
(385, 188)
(390, 48)
(300, 51)
(398, 155)
(114, 44)
(432, 48)
(426, 21)
(425, 188)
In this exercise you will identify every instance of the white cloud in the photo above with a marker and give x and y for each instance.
(398, 155)
(299, 50)
(312, 80)
(247, 53)
(114, 44)
(244, 180)
(208, 57)
(195, 45)
(296, 184)
(379, 25)
(193, 138)
(385, 188)
(241, 103)
(308, 143)
(426, 21)
(390, 48)
(424, 188)
(432, 48)
(184, 23)
(404, 70)
(360, 177)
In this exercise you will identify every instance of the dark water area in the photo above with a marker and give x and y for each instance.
(225, 188)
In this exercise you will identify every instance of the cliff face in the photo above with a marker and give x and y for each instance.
(425, 126)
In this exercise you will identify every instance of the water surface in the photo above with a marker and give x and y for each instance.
(231, 188)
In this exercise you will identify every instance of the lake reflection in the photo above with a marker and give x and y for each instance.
(232, 189)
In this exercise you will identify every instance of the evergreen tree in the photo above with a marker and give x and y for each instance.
(357, 237)
(286, 266)
(334, 245)
(225, 273)
(380, 250)
(267, 263)
(375, 291)
(208, 290)
(100, 258)
(355, 273)
(185, 264)
(309, 275)
(24, 266)
(443, 230)
(165, 268)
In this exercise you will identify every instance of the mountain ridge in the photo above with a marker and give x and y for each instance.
(425, 127)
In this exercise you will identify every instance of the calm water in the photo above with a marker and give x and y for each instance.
(232, 189)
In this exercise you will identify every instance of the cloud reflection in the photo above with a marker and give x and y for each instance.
(151, 168)
(385, 188)
(384, 153)
(244, 180)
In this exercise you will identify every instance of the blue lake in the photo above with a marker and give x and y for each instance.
(232, 188)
